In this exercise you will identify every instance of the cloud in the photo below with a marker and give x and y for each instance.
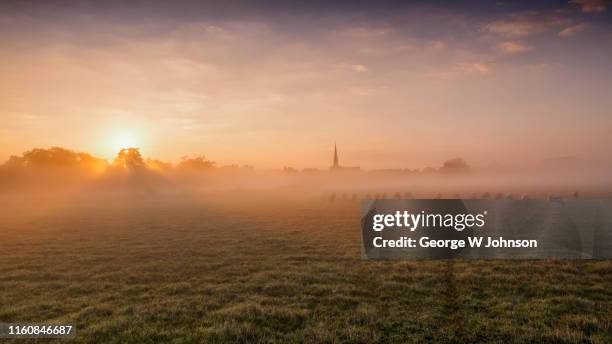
(572, 30)
(511, 47)
(526, 23)
(591, 6)
(436, 45)
(471, 68)
(359, 68)
(355, 67)
(522, 24)
(366, 32)
(366, 91)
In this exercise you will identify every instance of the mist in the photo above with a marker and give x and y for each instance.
(61, 173)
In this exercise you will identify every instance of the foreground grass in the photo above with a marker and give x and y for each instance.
(151, 271)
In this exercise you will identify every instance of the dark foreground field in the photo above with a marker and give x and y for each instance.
(188, 270)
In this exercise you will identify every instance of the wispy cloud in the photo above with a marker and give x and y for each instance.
(479, 68)
(355, 67)
(563, 19)
(572, 30)
(366, 32)
(436, 45)
(458, 70)
(359, 68)
(471, 68)
(526, 23)
(513, 47)
(591, 6)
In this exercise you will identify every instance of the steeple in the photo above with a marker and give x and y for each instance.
(336, 165)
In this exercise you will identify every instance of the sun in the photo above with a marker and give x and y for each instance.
(125, 140)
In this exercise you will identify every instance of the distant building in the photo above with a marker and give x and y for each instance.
(336, 164)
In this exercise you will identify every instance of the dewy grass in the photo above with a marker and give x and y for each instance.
(188, 270)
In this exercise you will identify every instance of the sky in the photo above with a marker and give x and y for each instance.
(277, 83)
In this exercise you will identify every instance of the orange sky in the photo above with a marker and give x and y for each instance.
(394, 86)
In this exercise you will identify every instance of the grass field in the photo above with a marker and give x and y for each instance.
(188, 270)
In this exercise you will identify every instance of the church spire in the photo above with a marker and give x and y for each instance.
(336, 165)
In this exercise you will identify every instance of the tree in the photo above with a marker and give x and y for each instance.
(130, 159)
(198, 163)
(56, 157)
(456, 165)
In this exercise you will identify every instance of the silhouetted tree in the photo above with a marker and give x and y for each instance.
(56, 157)
(130, 159)
(198, 163)
(456, 165)
(131, 173)
(43, 168)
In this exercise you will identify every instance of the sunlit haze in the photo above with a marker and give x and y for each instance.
(276, 84)
(306, 171)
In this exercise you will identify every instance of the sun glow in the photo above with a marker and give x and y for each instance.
(125, 140)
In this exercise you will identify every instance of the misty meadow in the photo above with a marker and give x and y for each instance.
(141, 251)
(194, 171)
